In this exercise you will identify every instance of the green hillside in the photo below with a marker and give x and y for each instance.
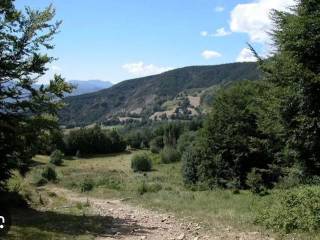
(144, 96)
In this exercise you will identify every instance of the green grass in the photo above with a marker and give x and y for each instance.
(161, 189)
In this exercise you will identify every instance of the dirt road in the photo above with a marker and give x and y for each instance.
(135, 223)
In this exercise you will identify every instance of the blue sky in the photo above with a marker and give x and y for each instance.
(114, 40)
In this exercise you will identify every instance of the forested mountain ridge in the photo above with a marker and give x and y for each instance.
(145, 95)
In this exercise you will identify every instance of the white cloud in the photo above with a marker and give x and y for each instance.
(141, 69)
(208, 54)
(219, 9)
(221, 32)
(204, 33)
(254, 18)
(246, 56)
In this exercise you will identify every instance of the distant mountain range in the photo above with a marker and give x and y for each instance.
(147, 96)
(88, 86)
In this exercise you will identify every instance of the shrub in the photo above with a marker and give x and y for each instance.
(56, 157)
(37, 179)
(86, 185)
(148, 187)
(190, 160)
(110, 181)
(49, 173)
(292, 178)
(141, 162)
(297, 209)
(169, 155)
(185, 140)
(255, 182)
(156, 144)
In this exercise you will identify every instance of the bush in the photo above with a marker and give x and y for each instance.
(37, 179)
(185, 140)
(156, 144)
(110, 181)
(148, 187)
(56, 157)
(190, 160)
(293, 177)
(86, 185)
(297, 209)
(255, 182)
(169, 155)
(141, 162)
(49, 173)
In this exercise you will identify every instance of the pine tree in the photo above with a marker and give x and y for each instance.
(25, 110)
(295, 70)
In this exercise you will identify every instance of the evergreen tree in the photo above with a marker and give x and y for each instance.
(295, 69)
(25, 111)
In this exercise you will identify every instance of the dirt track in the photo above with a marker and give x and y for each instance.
(135, 223)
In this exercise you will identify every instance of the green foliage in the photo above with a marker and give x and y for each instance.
(86, 185)
(185, 140)
(292, 177)
(297, 209)
(50, 141)
(294, 70)
(234, 143)
(148, 187)
(49, 173)
(156, 144)
(171, 133)
(255, 182)
(37, 179)
(191, 159)
(94, 141)
(27, 112)
(169, 155)
(138, 138)
(56, 158)
(141, 162)
(110, 181)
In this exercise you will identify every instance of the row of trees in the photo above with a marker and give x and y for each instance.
(93, 141)
(260, 132)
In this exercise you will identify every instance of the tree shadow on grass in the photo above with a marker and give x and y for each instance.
(75, 225)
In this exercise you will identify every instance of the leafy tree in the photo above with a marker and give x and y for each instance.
(117, 142)
(26, 112)
(156, 144)
(234, 143)
(294, 70)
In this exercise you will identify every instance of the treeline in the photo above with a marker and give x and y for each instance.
(96, 140)
(260, 134)
(93, 141)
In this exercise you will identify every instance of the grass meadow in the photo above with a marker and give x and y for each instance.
(110, 176)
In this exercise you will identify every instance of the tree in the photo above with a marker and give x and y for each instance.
(26, 112)
(56, 158)
(295, 70)
(234, 143)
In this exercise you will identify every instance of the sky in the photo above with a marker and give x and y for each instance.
(115, 40)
